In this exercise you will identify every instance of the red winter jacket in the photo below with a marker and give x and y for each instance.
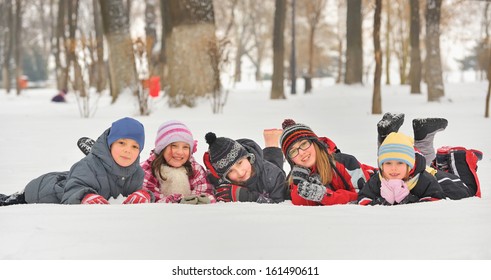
(349, 177)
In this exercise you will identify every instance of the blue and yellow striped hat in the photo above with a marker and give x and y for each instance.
(397, 146)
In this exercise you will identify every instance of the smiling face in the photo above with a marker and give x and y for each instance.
(393, 169)
(240, 172)
(177, 153)
(303, 153)
(125, 151)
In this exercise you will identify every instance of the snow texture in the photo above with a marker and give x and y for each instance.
(39, 136)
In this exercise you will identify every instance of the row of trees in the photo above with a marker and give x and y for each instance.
(192, 44)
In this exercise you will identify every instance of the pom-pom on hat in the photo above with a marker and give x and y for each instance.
(399, 147)
(223, 153)
(293, 132)
(127, 128)
(174, 131)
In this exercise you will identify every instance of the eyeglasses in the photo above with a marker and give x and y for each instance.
(304, 145)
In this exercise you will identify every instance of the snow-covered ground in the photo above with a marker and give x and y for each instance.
(38, 136)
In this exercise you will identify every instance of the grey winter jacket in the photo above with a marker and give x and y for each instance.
(96, 173)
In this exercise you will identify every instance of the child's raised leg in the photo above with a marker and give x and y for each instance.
(390, 122)
(424, 134)
(272, 137)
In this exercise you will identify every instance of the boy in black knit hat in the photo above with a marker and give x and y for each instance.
(241, 171)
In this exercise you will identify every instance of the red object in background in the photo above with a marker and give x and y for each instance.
(22, 82)
(154, 87)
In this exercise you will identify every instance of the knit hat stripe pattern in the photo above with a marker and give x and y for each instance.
(127, 128)
(398, 147)
(294, 133)
(173, 131)
(229, 159)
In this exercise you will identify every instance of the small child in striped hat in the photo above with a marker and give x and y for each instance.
(405, 178)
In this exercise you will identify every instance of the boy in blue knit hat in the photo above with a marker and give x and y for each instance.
(110, 170)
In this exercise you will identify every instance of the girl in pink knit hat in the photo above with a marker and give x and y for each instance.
(171, 172)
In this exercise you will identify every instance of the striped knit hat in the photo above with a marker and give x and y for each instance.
(293, 132)
(397, 146)
(174, 131)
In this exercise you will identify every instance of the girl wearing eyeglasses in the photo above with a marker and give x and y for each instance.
(320, 174)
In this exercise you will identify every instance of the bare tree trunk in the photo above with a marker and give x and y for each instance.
(121, 58)
(377, 96)
(340, 36)
(72, 15)
(101, 70)
(388, 51)
(61, 47)
(434, 76)
(166, 30)
(293, 56)
(488, 95)
(18, 44)
(403, 53)
(277, 87)
(415, 68)
(192, 52)
(9, 43)
(354, 47)
(310, 69)
(151, 34)
(238, 62)
(314, 10)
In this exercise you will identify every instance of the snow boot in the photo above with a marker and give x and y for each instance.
(390, 122)
(424, 134)
(16, 198)
(461, 162)
(85, 144)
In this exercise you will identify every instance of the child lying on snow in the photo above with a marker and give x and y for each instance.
(112, 169)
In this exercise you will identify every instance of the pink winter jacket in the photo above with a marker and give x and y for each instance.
(198, 183)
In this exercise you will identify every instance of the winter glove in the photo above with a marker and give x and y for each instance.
(300, 174)
(195, 199)
(173, 198)
(393, 190)
(315, 179)
(228, 192)
(386, 191)
(313, 192)
(401, 191)
(141, 196)
(93, 198)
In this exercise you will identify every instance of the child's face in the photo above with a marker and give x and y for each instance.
(303, 153)
(241, 171)
(393, 169)
(125, 151)
(177, 153)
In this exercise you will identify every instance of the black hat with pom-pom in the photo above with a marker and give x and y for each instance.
(222, 154)
(293, 132)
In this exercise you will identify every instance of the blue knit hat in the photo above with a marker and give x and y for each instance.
(127, 128)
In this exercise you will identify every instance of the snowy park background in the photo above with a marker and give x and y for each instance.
(39, 136)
